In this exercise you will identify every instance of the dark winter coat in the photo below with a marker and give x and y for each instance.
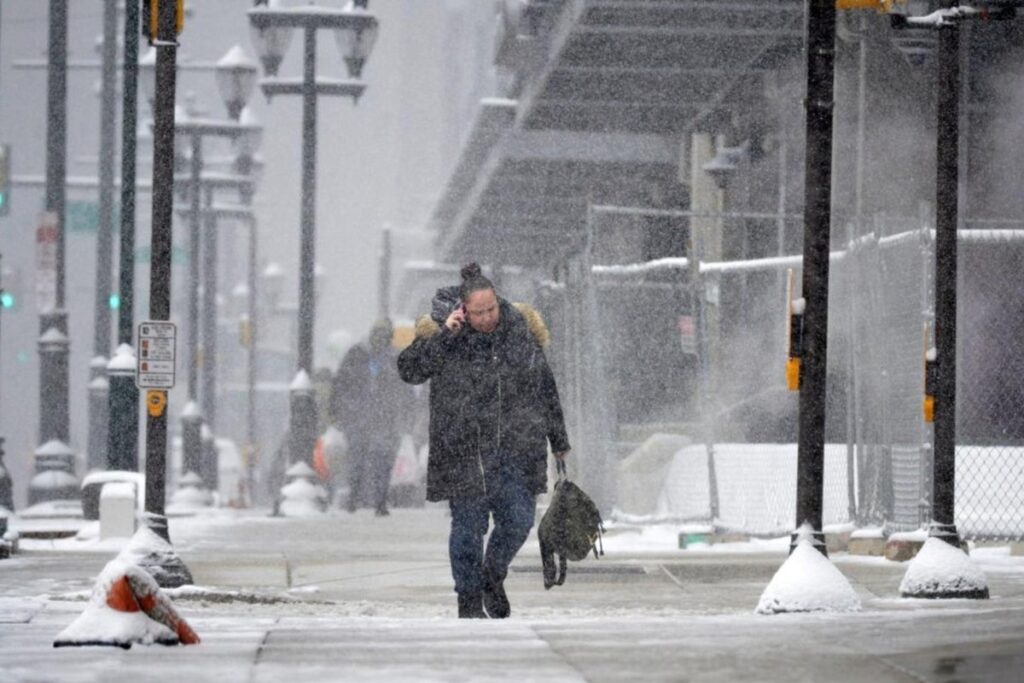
(369, 402)
(490, 395)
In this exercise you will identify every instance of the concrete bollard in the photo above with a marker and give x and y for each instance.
(117, 510)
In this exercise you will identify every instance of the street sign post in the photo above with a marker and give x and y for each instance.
(157, 340)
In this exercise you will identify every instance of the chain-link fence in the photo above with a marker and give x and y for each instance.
(698, 347)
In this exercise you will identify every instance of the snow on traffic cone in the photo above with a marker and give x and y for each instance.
(127, 607)
(159, 608)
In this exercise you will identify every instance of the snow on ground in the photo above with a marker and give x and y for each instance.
(354, 597)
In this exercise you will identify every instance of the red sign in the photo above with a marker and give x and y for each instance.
(688, 334)
(46, 261)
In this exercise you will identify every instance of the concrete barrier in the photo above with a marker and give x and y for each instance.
(117, 510)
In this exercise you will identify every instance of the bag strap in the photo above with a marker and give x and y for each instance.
(560, 469)
(563, 568)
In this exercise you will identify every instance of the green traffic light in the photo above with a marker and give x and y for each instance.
(114, 302)
(7, 300)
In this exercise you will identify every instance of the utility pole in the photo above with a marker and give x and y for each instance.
(946, 209)
(165, 566)
(961, 581)
(819, 103)
(160, 263)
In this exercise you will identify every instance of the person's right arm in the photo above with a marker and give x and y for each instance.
(427, 354)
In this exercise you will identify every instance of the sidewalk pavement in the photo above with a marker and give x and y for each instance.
(357, 597)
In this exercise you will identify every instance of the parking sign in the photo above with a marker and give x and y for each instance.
(156, 357)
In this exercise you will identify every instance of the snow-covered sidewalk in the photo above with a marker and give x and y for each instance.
(356, 597)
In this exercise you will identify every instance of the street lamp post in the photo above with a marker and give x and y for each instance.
(123, 412)
(98, 385)
(236, 76)
(195, 130)
(53, 320)
(356, 32)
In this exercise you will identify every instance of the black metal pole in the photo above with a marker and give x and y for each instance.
(99, 399)
(191, 417)
(194, 236)
(108, 146)
(244, 166)
(129, 125)
(946, 207)
(209, 335)
(302, 419)
(821, 31)
(123, 433)
(54, 421)
(252, 369)
(208, 324)
(307, 254)
(160, 264)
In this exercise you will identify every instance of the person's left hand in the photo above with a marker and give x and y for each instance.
(562, 455)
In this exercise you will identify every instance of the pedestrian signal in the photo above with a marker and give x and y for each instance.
(151, 18)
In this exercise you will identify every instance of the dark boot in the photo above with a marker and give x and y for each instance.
(471, 606)
(495, 600)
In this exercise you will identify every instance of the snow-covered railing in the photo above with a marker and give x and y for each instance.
(775, 263)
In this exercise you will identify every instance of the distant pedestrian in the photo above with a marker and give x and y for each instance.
(371, 406)
(494, 409)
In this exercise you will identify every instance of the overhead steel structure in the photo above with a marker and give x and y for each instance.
(601, 94)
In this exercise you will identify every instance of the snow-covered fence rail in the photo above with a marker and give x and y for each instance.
(880, 323)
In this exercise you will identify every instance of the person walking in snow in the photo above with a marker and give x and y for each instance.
(494, 409)
(370, 405)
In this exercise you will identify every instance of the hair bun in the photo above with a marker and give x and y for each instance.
(470, 271)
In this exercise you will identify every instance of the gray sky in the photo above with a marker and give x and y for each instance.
(379, 163)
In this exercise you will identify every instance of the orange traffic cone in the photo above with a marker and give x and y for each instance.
(130, 593)
(121, 598)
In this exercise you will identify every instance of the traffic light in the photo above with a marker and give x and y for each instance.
(114, 301)
(10, 288)
(5, 179)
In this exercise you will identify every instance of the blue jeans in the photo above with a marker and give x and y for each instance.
(513, 507)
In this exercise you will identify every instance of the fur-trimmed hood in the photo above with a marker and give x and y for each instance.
(427, 327)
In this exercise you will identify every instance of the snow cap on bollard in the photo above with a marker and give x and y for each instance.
(807, 582)
(942, 570)
(302, 496)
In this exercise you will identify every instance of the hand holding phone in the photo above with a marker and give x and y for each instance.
(457, 318)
